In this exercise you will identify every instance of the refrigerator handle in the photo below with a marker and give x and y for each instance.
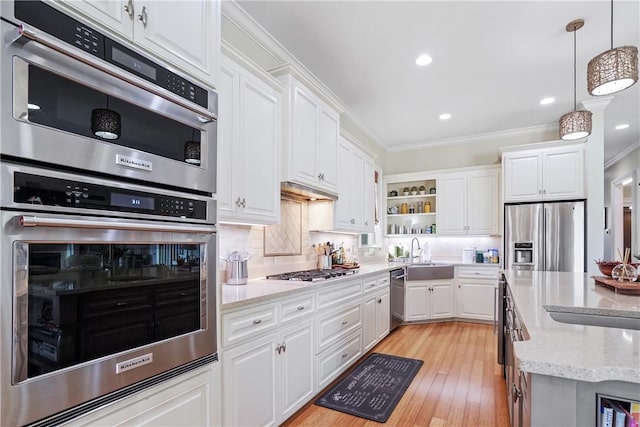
(541, 242)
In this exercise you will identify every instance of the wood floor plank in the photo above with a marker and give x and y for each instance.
(459, 384)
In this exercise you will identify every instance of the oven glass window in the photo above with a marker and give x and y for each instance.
(63, 104)
(91, 300)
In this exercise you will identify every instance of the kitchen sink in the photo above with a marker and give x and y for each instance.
(429, 271)
(596, 320)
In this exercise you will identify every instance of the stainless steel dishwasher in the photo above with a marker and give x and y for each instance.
(397, 296)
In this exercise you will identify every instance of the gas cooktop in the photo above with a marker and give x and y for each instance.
(312, 275)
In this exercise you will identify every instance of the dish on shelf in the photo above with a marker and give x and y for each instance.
(406, 193)
(413, 193)
(422, 192)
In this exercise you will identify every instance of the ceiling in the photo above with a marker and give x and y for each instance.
(492, 63)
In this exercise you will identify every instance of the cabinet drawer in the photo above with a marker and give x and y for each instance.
(338, 293)
(335, 360)
(479, 272)
(245, 323)
(297, 308)
(335, 325)
(369, 284)
(384, 281)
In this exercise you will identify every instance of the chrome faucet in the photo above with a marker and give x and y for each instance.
(418, 242)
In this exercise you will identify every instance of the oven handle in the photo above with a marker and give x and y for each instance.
(25, 34)
(33, 221)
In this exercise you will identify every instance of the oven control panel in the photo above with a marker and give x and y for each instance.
(43, 190)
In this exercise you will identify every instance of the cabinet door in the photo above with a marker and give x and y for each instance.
(304, 135)
(185, 33)
(327, 149)
(228, 113)
(110, 13)
(452, 205)
(441, 300)
(476, 299)
(297, 368)
(369, 195)
(522, 177)
(417, 302)
(250, 384)
(382, 314)
(369, 320)
(356, 190)
(342, 206)
(563, 176)
(483, 203)
(259, 152)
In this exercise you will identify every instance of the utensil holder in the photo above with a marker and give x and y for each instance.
(237, 272)
(324, 261)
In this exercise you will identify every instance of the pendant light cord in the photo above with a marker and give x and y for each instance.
(611, 24)
(574, 69)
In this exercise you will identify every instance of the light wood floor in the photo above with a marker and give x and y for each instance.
(459, 384)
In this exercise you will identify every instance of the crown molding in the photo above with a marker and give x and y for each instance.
(236, 56)
(621, 155)
(532, 130)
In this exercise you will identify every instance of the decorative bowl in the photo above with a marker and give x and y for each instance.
(606, 267)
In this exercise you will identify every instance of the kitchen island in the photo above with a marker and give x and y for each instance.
(565, 366)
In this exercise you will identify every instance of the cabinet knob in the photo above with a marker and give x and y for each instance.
(278, 348)
(344, 356)
(319, 177)
(379, 300)
(129, 8)
(353, 221)
(143, 16)
(515, 393)
(344, 322)
(244, 203)
(284, 346)
(300, 307)
(257, 321)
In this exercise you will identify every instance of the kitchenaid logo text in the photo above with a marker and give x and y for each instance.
(133, 163)
(134, 363)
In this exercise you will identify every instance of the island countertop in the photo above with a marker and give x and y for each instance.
(579, 352)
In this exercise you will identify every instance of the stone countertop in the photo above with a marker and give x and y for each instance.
(579, 352)
(262, 290)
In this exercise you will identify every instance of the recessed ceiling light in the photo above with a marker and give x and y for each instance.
(423, 60)
(547, 101)
(445, 116)
(622, 126)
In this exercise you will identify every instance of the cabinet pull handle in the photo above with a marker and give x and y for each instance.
(257, 321)
(515, 393)
(244, 203)
(129, 8)
(344, 356)
(278, 348)
(344, 322)
(143, 16)
(319, 177)
(284, 347)
(372, 285)
(120, 304)
(300, 307)
(495, 306)
(379, 300)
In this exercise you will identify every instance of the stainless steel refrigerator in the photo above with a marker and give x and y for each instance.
(545, 236)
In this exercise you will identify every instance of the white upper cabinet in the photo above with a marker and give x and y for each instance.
(546, 174)
(184, 33)
(311, 133)
(248, 147)
(469, 202)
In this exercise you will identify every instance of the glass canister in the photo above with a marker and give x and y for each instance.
(420, 207)
(427, 207)
(404, 208)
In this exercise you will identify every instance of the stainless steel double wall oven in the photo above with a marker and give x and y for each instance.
(108, 242)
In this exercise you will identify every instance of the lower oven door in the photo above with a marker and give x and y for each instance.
(92, 305)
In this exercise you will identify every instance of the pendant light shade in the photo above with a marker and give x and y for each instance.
(105, 123)
(613, 70)
(576, 124)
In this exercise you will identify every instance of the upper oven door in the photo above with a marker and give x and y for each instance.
(51, 112)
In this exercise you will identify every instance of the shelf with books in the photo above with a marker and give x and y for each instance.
(617, 411)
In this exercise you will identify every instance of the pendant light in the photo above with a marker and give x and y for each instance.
(613, 70)
(105, 123)
(576, 124)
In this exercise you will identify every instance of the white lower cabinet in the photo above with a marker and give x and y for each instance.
(268, 379)
(429, 299)
(189, 399)
(375, 313)
(477, 292)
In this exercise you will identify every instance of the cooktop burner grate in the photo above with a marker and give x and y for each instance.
(311, 275)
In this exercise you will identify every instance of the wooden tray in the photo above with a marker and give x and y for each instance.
(630, 288)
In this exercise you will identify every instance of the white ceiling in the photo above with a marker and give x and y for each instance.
(492, 62)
